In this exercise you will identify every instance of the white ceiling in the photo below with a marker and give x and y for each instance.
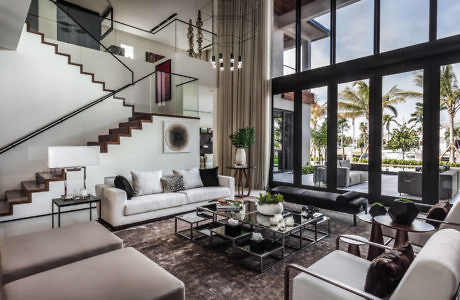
(146, 14)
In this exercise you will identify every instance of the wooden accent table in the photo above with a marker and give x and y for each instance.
(402, 231)
(376, 237)
(239, 173)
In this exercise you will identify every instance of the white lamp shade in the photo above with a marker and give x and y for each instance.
(73, 156)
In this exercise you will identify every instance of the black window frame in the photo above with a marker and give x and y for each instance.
(428, 56)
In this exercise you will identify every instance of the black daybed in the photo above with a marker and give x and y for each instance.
(349, 203)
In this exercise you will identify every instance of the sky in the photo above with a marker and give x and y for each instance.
(403, 23)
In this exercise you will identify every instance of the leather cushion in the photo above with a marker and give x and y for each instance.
(122, 183)
(210, 177)
(344, 198)
(387, 270)
(439, 212)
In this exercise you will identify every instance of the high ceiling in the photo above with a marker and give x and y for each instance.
(283, 6)
(146, 14)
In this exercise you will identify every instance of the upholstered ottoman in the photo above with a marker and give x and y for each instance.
(36, 252)
(121, 274)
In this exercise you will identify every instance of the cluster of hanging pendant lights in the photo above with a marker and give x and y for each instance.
(221, 62)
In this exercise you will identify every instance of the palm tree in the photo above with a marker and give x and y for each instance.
(342, 124)
(355, 100)
(387, 120)
(450, 101)
(317, 111)
(417, 115)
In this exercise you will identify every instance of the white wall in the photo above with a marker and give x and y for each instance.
(38, 87)
(141, 152)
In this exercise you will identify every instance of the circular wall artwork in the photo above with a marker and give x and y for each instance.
(177, 137)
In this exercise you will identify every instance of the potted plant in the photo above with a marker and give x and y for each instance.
(377, 209)
(242, 139)
(403, 211)
(269, 204)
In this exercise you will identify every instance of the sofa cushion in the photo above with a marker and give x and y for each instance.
(121, 274)
(146, 183)
(172, 184)
(337, 265)
(346, 197)
(122, 183)
(206, 193)
(210, 177)
(355, 178)
(363, 174)
(142, 204)
(191, 177)
(36, 252)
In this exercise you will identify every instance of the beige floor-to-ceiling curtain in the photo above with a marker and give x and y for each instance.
(244, 95)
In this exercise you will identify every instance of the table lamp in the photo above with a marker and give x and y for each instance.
(73, 158)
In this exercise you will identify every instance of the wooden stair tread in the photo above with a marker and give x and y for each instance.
(32, 186)
(16, 196)
(43, 176)
(4, 208)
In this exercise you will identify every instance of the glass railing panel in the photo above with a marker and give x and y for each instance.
(76, 36)
(164, 93)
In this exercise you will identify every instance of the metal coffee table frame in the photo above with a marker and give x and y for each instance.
(283, 245)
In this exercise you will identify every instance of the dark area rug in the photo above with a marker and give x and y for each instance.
(209, 275)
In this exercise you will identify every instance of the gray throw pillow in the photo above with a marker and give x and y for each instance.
(172, 184)
(146, 183)
(192, 178)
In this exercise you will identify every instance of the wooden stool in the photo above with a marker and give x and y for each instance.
(353, 246)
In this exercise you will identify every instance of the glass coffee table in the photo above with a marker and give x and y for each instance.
(209, 227)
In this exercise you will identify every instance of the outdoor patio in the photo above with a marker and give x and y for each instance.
(389, 184)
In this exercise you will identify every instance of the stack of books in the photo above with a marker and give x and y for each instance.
(228, 205)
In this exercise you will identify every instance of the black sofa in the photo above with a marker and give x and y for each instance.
(320, 199)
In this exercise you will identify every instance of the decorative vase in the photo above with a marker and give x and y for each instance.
(403, 212)
(240, 157)
(270, 209)
(377, 210)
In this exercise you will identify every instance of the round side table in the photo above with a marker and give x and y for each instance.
(353, 245)
(376, 237)
(239, 173)
(402, 231)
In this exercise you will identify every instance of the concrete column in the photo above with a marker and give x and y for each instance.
(306, 55)
(277, 52)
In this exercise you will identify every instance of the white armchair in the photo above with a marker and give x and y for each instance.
(434, 274)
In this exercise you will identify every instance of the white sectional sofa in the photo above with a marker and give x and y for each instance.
(118, 211)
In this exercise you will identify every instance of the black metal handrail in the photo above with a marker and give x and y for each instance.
(79, 110)
(94, 38)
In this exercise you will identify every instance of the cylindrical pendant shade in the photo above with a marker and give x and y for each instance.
(73, 156)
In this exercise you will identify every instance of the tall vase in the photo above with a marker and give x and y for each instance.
(241, 157)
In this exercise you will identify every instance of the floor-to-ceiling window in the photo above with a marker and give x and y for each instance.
(374, 68)
(283, 137)
(353, 126)
(402, 135)
(314, 137)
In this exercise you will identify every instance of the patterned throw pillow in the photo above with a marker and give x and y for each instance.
(172, 184)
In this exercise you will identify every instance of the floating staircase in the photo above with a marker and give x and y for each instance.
(24, 195)
(123, 129)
